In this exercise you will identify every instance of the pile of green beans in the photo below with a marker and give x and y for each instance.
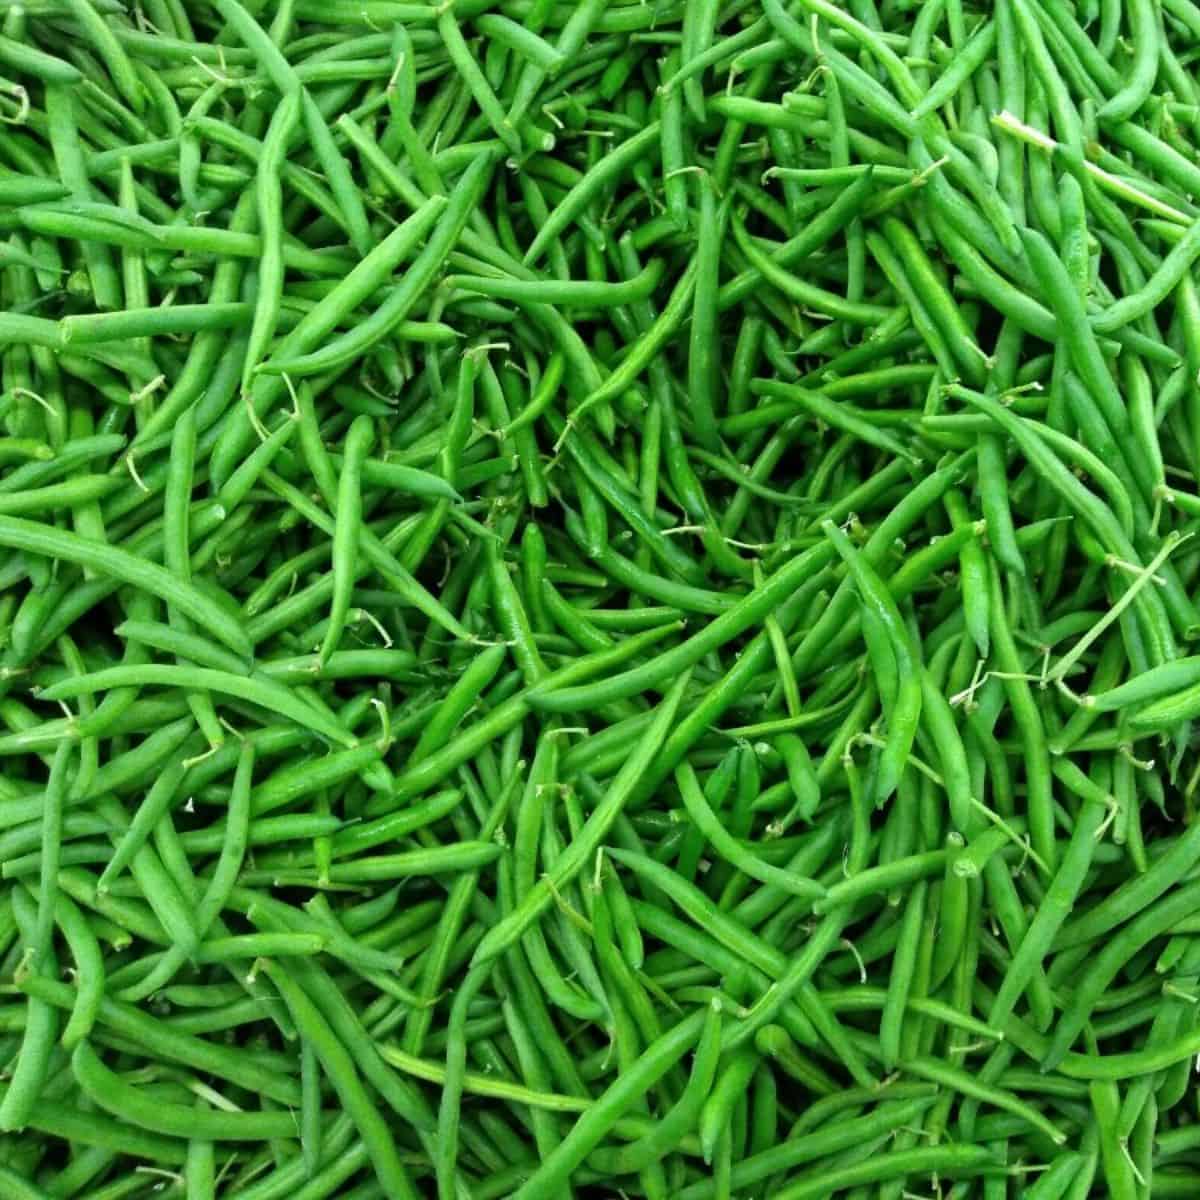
(598, 599)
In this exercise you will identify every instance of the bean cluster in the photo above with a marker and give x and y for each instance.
(595, 599)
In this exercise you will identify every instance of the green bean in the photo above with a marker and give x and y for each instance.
(858, 313)
(34, 538)
(1179, 261)
(111, 1093)
(129, 1022)
(745, 613)
(465, 856)
(611, 167)
(269, 199)
(1167, 710)
(591, 1128)
(21, 1097)
(397, 306)
(648, 345)
(1152, 919)
(93, 1129)
(1134, 92)
(837, 414)
(263, 692)
(346, 531)
(568, 293)
(582, 846)
(950, 1159)
(728, 847)
(377, 553)
(908, 700)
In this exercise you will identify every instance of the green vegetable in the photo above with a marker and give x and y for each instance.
(599, 599)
